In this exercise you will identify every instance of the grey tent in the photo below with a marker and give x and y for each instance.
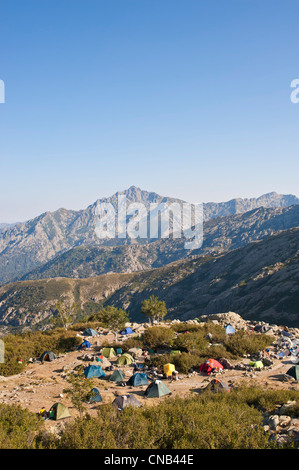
(261, 328)
(117, 376)
(48, 356)
(90, 332)
(124, 401)
(217, 386)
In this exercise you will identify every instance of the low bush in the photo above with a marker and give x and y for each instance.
(31, 345)
(158, 337)
(18, 427)
(244, 343)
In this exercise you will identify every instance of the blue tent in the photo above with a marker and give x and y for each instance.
(229, 330)
(138, 379)
(94, 371)
(90, 332)
(127, 331)
(85, 344)
(95, 396)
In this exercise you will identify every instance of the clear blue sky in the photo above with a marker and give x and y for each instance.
(188, 98)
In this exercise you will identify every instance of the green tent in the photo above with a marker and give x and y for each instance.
(156, 389)
(117, 376)
(59, 411)
(125, 359)
(257, 364)
(108, 352)
(174, 352)
(294, 372)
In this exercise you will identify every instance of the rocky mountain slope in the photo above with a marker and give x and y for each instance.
(219, 235)
(259, 281)
(27, 246)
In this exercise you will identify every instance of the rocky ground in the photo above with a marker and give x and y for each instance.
(42, 385)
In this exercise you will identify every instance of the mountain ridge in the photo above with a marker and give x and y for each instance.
(259, 281)
(26, 246)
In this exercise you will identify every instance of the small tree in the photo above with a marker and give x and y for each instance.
(113, 318)
(79, 389)
(154, 308)
(66, 313)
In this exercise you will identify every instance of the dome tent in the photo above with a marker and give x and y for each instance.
(138, 379)
(85, 344)
(127, 331)
(256, 364)
(229, 330)
(117, 376)
(124, 401)
(217, 386)
(94, 396)
(59, 411)
(209, 366)
(156, 389)
(90, 332)
(109, 352)
(94, 371)
(294, 372)
(125, 359)
(48, 356)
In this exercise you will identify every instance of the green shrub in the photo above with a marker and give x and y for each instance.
(185, 361)
(18, 427)
(191, 341)
(32, 345)
(244, 343)
(158, 337)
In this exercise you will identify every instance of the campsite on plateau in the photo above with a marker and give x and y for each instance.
(136, 357)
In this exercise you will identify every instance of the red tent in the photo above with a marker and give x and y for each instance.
(210, 365)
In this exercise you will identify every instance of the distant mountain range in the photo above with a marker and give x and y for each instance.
(259, 281)
(248, 263)
(42, 246)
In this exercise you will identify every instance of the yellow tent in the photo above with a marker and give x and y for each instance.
(108, 352)
(168, 369)
(125, 359)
